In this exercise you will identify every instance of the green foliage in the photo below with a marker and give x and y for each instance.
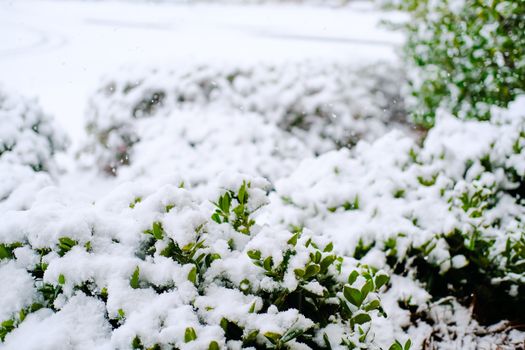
(357, 299)
(214, 346)
(9, 325)
(65, 244)
(233, 208)
(303, 276)
(189, 335)
(354, 205)
(398, 346)
(6, 250)
(134, 281)
(466, 55)
(135, 202)
(427, 181)
(156, 231)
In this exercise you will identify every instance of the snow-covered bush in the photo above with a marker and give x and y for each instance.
(201, 143)
(27, 135)
(181, 276)
(325, 105)
(466, 55)
(448, 213)
(28, 141)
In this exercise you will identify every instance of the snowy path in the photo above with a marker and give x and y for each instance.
(58, 50)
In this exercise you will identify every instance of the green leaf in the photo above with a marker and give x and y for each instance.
(134, 281)
(267, 264)
(353, 277)
(61, 279)
(239, 210)
(396, 346)
(311, 271)
(293, 241)
(242, 193)
(225, 203)
(189, 335)
(158, 230)
(136, 343)
(272, 337)
(214, 346)
(6, 251)
(192, 275)
(408, 344)
(299, 272)
(254, 254)
(291, 334)
(327, 341)
(215, 217)
(353, 295)
(361, 318)
(380, 280)
(251, 336)
(65, 244)
(252, 308)
(326, 262)
(329, 247)
(367, 288)
(8, 323)
(373, 305)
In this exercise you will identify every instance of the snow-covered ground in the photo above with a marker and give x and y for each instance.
(58, 50)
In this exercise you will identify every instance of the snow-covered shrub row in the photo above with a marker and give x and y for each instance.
(466, 55)
(28, 141)
(147, 268)
(201, 143)
(326, 105)
(448, 213)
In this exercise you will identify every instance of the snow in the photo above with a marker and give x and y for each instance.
(123, 226)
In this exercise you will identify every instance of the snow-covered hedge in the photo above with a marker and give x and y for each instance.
(324, 105)
(201, 143)
(466, 55)
(238, 263)
(448, 213)
(27, 135)
(151, 268)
